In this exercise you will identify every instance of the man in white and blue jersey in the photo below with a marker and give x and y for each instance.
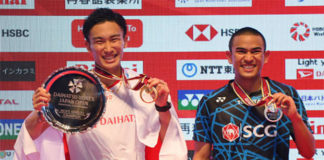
(233, 122)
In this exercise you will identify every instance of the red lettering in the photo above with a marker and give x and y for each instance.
(110, 121)
(120, 119)
(126, 118)
(102, 121)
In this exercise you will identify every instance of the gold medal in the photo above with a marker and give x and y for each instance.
(148, 95)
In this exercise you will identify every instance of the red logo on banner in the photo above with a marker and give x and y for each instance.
(201, 32)
(134, 33)
(300, 31)
(13, 2)
(231, 132)
(305, 74)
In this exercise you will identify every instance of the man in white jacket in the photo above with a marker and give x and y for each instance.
(138, 124)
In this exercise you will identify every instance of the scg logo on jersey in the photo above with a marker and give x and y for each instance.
(134, 35)
(189, 99)
(231, 131)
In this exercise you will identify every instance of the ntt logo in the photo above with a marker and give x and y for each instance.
(300, 31)
(189, 69)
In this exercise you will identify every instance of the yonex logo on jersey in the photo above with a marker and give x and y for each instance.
(231, 132)
(220, 99)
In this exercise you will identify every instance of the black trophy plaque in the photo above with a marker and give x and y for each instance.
(77, 100)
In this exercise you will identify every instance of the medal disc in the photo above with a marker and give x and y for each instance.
(148, 95)
(272, 113)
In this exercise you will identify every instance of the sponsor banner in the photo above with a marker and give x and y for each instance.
(6, 154)
(204, 70)
(136, 66)
(213, 3)
(9, 128)
(17, 4)
(317, 125)
(189, 99)
(187, 127)
(17, 71)
(294, 154)
(312, 99)
(192, 33)
(304, 68)
(112, 4)
(17, 100)
(134, 33)
(304, 3)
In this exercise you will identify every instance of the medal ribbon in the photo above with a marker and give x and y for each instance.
(265, 90)
(66, 148)
(142, 78)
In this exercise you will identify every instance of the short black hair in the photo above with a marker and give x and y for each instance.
(101, 15)
(246, 30)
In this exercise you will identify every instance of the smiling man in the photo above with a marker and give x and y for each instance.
(257, 115)
(130, 125)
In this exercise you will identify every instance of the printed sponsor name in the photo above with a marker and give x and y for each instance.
(304, 3)
(136, 66)
(134, 34)
(304, 68)
(17, 4)
(17, 71)
(312, 99)
(187, 127)
(9, 128)
(113, 4)
(213, 3)
(204, 70)
(18, 100)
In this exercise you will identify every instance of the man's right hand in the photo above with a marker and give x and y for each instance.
(35, 122)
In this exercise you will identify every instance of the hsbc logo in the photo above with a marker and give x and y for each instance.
(201, 32)
(305, 73)
(134, 35)
(231, 131)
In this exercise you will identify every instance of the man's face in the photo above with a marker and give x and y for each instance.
(107, 45)
(247, 56)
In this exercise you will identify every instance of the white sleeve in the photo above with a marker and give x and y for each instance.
(174, 146)
(148, 127)
(48, 145)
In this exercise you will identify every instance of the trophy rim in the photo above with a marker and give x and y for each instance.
(48, 115)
